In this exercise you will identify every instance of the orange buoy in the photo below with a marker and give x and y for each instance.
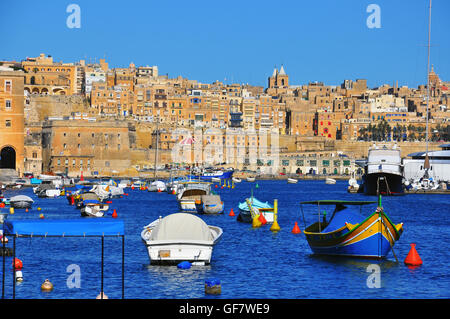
(296, 229)
(26, 210)
(216, 186)
(2, 205)
(18, 265)
(231, 212)
(132, 188)
(413, 257)
(102, 295)
(262, 219)
(114, 214)
(41, 216)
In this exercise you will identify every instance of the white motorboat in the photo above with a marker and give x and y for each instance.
(180, 237)
(190, 192)
(330, 181)
(94, 209)
(21, 201)
(292, 180)
(103, 191)
(250, 179)
(157, 186)
(124, 183)
(236, 180)
(383, 171)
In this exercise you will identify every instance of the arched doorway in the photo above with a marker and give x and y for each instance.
(8, 157)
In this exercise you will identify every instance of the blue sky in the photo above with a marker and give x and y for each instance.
(241, 41)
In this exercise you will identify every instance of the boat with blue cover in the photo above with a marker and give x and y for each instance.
(349, 233)
(245, 212)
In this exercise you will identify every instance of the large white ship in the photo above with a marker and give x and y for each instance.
(439, 170)
(383, 171)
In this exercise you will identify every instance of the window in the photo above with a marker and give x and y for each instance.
(34, 155)
(8, 123)
(8, 86)
(64, 145)
(7, 104)
(73, 162)
(59, 161)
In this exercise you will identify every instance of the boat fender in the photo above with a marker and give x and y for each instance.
(184, 265)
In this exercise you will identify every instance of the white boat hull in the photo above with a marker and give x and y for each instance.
(187, 205)
(178, 252)
(292, 181)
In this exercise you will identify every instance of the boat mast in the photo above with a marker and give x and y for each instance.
(157, 146)
(427, 161)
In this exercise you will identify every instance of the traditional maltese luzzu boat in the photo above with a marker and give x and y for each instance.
(349, 233)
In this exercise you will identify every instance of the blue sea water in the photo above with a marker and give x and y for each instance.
(250, 263)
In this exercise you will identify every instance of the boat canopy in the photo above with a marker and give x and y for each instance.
(65, 227)
(21, 198)
(181, 226)
(349, 215)
(338, 202)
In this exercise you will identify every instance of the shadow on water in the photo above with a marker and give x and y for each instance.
(358, 262)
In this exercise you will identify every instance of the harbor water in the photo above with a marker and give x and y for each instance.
(249, 262)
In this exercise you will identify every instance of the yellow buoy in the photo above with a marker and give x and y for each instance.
(275, 226)
(11, 210)
(38, 208)
(47, 285)
(256, 222)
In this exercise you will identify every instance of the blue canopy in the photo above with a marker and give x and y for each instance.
(350, 215)
(65, 227)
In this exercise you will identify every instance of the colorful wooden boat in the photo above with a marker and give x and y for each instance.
(348, 233)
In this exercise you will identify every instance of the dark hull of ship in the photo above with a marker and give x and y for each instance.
(385, 183)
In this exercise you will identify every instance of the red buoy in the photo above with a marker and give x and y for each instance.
(262, 219)
(413, 257)
(17, 264)
(231, 212)
(296, 229)
(114, 214)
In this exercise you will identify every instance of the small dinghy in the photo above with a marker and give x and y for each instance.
(93, 208)
(180, 237)
(250, 179)
(21, 201)
(209, 204)
(292, 180)
(330, 181)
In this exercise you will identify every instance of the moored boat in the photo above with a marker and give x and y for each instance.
(292, 180)
(180, 237)
(93, 208)
(251, 207)
(189, 192)
(383, 171)
(209, 204)
(349, 233)
(21, 201)
(330, 181)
